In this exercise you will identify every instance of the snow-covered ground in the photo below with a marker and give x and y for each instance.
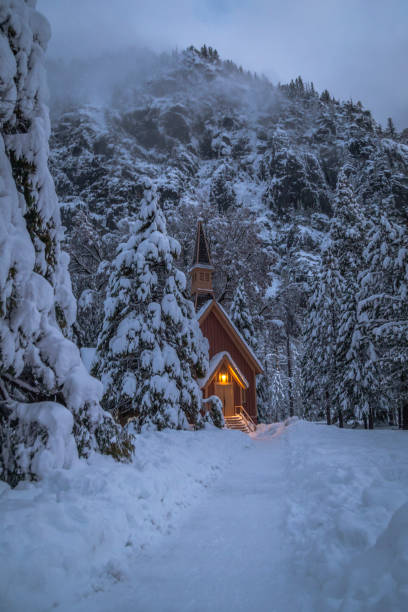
(302, 518)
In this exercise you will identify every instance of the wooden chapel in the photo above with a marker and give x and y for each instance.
(233, 365)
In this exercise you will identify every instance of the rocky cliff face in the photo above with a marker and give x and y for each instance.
(202, 126)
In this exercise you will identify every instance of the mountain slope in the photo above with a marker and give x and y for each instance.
(258, 162)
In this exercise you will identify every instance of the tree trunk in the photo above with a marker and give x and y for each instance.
(404, 412)
(341, 422)
(290, 374)
(403, 403)
(370, 418)
(365, 420)
(328, 414)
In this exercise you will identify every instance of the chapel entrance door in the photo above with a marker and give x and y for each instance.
(226, 394)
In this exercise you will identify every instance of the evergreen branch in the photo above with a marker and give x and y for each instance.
(21, 384)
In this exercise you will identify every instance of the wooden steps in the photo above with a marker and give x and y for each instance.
(237, 422)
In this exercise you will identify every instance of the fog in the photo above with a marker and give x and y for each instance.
(356, 49)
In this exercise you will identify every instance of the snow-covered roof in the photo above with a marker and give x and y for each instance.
(213, 365)
(202, 310)
(240, 336)
(207, 305)
(201, 266)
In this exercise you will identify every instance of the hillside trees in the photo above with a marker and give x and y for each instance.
(347, 232)
(320, 336)
(383, 311)
(355, 329)
(46, 393)
(151, 349)
(260, 164)
(91, 250)
(241, 315)
(334, 359)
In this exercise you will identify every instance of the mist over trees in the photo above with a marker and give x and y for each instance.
(286, 179)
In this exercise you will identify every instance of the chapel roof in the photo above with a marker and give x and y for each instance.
(201, 255)
(213, 305)
(215, 362)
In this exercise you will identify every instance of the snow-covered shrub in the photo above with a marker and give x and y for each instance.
(37, 308)
(34, 439)
(151, 349)
(213, 411)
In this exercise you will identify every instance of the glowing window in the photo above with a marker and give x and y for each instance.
(224, 377)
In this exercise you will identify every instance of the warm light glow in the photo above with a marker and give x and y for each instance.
(223, 378)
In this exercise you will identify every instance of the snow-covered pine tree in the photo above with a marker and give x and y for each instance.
(383, 310)
(241, 315)
(151, 349)
(347, 231)
(45, 390)
(321, 328)
(242, 319)
(271, 396)
(347, 227)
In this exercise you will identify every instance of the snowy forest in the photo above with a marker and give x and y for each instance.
(303, 197)
(106, 167)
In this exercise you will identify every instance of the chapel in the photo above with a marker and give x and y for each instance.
(233, 365)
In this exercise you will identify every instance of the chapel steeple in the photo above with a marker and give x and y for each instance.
(201, 269)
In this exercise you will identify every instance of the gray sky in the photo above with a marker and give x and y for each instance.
(355, 48)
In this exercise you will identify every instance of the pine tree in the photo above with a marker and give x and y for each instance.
(321, 328)
(271, 396)
(151, 349)
(347, 231)
(383, 310)
(38, 364)
(241, 315)
(390, 128)
(325, 96)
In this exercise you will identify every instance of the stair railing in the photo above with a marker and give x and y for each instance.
(250, 424)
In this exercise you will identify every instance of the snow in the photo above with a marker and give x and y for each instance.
(60, 449)
(202, 310)
(272, 291)
(298, 516)
(88, 356)
(78, 531)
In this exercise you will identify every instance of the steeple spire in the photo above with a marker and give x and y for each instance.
(202, 269)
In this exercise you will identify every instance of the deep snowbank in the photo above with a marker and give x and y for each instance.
(75, 532)
(347, 517)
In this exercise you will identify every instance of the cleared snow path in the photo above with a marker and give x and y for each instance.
(228, 556)
(304, 518)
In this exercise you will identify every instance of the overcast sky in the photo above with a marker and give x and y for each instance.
(355, 48)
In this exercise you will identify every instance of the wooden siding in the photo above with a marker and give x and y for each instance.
(220, 340)
(237, 394)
